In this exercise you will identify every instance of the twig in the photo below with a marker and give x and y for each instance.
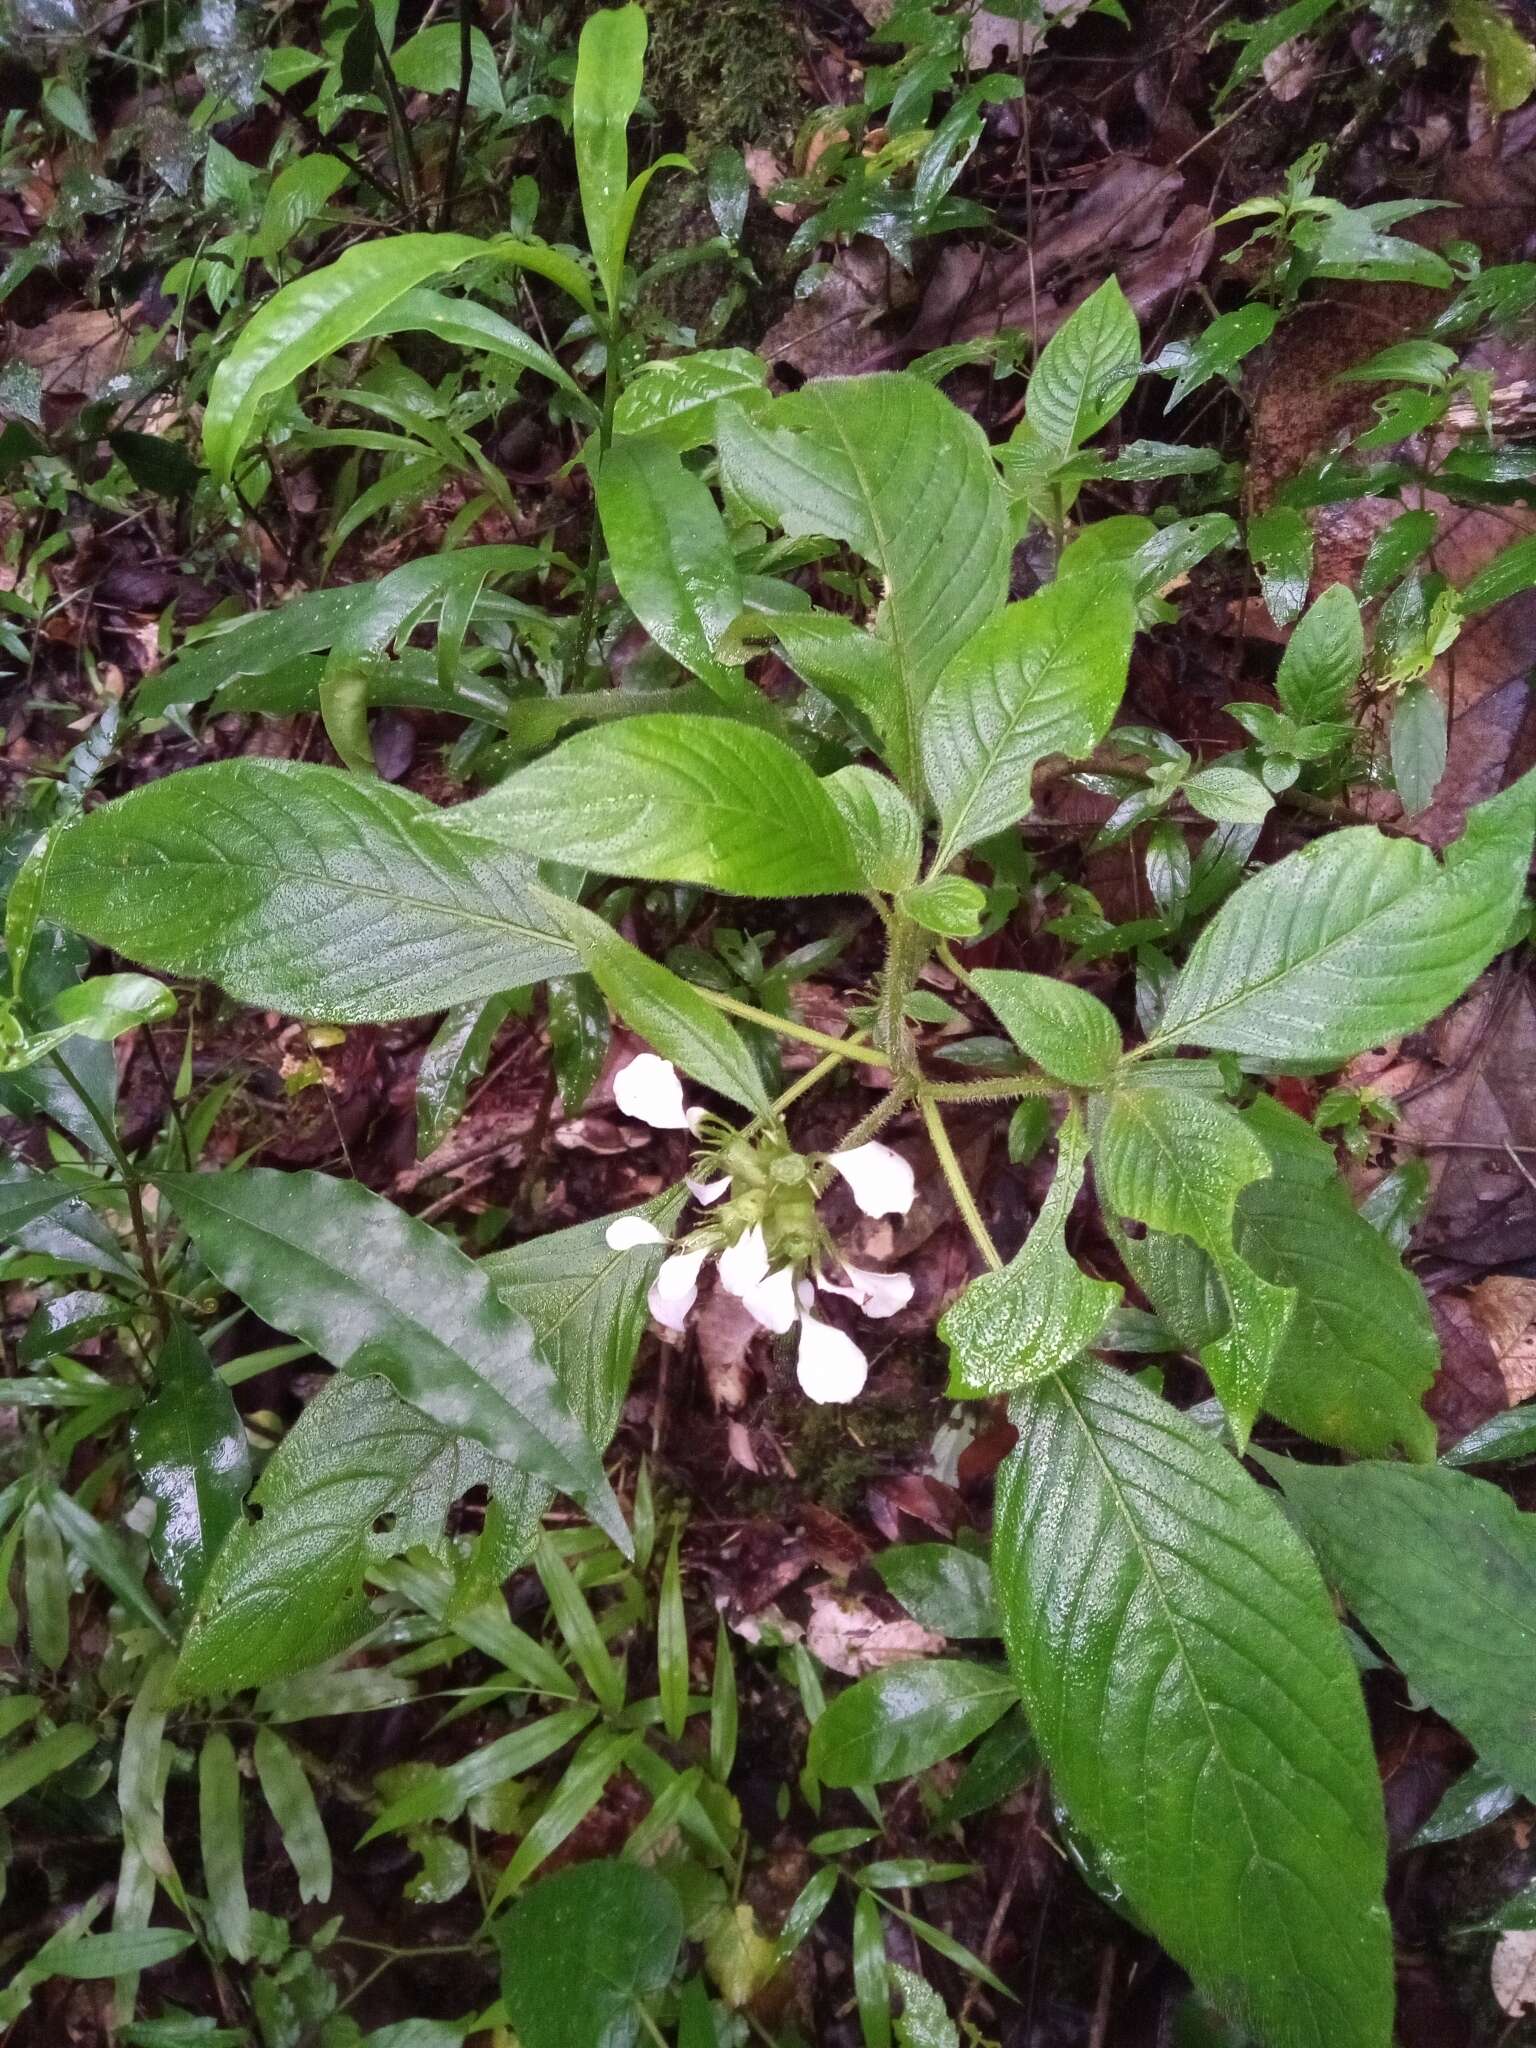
(466, 68)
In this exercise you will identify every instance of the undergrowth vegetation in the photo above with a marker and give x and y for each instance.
(761, 757)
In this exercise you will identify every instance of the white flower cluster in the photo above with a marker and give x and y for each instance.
(779, 1293)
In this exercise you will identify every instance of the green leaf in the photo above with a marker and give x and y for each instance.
(583, 1947)
(944, 1587)
(675, 798)
(465, 323)
(1178, 1162)
(1281, 545)
(1042, 677)
(871, 1973)
(221, 1833)
(1353, 940)
(675, 402)
(886, 833)
(1345, 1374)
(610, 68)
(1506, 61)
(1217, 350)
(1323, 658)
(579, 1036)
(430, 62)
(311, 318)
(1509, 1435)
(1229, 796)
(45, 1582)
(376, 1292)
(1181, 1666)
(298, 192)
(452, 1063)
(1480, 1795)
(1041, 1311)
(947, 904)
(1066, 1031)
(1512, 570)
(890, 466)
(664, 1009)
(1086, 372)
(1003, 1760)
(190, 1452)
(923, 2022)
(43, 1212)
(1441, 1568)
(286, 1788)
(30, 1766)
(672, 1647)
(904, 1717)
(672, 558)
(304, 889)
(362, 1476)
(445, 1795)
(1419, 740)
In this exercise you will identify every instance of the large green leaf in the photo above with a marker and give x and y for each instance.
(43, 1212)
(467, 324)
(190, 1451)
(1181, 1666)
(581, 1948)
(1354, 939)
(1323, 657)
(1041, 1311)
(1441, 1568)
(671, 557)
(374, 1291)
(903, 1718)
(888, 465)
(311, 318)
(610, 68)
(1360, 1351)
(674, 401)
(304, 889)
(362, 1476)
(1043, 677)
(676, 799)
(1177, 1162)
(664, 1008)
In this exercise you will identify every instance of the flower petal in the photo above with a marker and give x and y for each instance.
(882, 1182)
(744, 1264)
(705, 1192)
(772, 1301)
(831, 1367)
(676, 1288)
(628, 1233)
(648, 1087)
(878, 1294)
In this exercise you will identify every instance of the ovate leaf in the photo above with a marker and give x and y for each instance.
(886, 833)
(676, 798)
(675, 401)
(890, 466)
(304, 889)
(1041, 1311)
(1177, 1162)
(905, 1717)
(1042, 677)
(192, 1459)
(1441, 1568)
(1086, 371)
(671, 557)
(1064, 1030)
(1323, 658)
(582, 1947)
(376, 1292)
(1180, 1664)
(1354, 939)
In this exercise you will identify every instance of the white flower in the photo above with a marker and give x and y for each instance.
(830, 1366)
(877, 1294)
(626, 1233)
(676, 1288)
(649, 1088)
(881, 1180)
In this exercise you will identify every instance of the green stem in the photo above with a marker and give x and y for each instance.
(133, 1186)
(879, 1116)
(1002, 1088)
(908, 946)
(845, 1048)
(957, 1183)
(588, 617)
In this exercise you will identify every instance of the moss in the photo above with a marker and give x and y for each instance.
(723, 71)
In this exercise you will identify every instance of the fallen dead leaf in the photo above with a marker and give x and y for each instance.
(851, 1638)
(74, 353)
(1512, 1972)
(1505, 1305)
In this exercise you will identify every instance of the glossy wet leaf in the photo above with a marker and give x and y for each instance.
(299, 191)
(376, 1292)
(221, 1833)
(1354, 939)
(1441, 1569)
(23, 1769)
(452, 1064)
(304, 889)
(42, 1212)
(610, 67)
(1480, 1796)
(885, 831)
(1042, 677)
(1041, 1311)
(675, 401)
(1086, 371)
(1418, 745)
(676, 798)
(467, 324)
(903, 1718)
(672, 558)
(190, 1452)
(890, 466)
(1177, 1162)
(580, 1950)
(1281, 544)
(1180, 1664)
(944, 1587)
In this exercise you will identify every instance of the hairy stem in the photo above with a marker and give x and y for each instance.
(957, 1183)
(845, 1048)
(907, 948)
(999, 1088)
